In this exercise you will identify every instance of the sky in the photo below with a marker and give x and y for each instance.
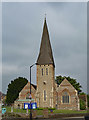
(22, 26)
(0, 47)
(87, 47)
(44, 0)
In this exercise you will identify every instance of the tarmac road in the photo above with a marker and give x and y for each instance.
(70, 118)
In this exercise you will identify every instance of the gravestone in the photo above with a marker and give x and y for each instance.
(45, 113)
(27, 110)
(34, 113)
(11, 109)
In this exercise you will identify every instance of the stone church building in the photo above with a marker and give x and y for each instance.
(47, 93)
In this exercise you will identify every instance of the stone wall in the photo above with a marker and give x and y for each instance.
(47, 83)
(73, 104)
(22, 96)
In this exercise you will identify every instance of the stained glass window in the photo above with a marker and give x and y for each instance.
(42, 71)
(44, 95)
(65, 97)
(46, 71)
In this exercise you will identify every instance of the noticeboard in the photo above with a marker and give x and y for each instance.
(33, 105)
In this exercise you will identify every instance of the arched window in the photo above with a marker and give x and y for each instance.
(46, 71)
(65, 97)
(42, 71)
(18, 106)
(44, 95)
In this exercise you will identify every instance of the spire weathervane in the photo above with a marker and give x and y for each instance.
(45, 56)
(45, 16)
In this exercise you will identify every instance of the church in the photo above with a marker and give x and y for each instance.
(47, 93)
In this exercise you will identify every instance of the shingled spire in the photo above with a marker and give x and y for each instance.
(45, 55)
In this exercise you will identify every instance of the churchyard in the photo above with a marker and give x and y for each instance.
(39, 111)
(23, 113)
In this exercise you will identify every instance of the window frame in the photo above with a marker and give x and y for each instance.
(65, 97)
(46, 71)
(42, 71)
(44, 95)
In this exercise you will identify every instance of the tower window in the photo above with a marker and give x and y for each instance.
(42, 71)
(44, 95)
(46, 71)
(65, 97)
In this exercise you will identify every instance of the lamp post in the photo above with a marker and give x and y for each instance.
(30, 93)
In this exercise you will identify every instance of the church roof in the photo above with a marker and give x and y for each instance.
(34, 85)
(45, 55)
(66, 83)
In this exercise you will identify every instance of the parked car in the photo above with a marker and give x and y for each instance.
(87, 117)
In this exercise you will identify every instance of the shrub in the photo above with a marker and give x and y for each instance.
(45, 108)
(51, 108)
(39, 108)
(82, 105)
(88, 100)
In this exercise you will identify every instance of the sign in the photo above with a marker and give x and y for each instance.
(33, 105)
(26, 105)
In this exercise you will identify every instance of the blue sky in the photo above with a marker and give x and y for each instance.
(22, 25)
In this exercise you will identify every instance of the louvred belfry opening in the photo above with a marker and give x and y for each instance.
(45, 55)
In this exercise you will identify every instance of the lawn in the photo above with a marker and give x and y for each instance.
(40, 112)
(69, 111)
(8, 109)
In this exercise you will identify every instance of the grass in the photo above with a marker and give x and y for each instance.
(69, 111)
(40, 112)
(8, 109)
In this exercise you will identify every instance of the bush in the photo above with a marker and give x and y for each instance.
(39, 108)
(51, 108)
(45, 108)
(82, 105)
(88, 100)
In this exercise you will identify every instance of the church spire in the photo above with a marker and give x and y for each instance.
(45, 55)
(45, 16)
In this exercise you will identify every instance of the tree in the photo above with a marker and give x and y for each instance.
(88, 100)
(82, 105)
(14, 88)
(82, 93)
(76, 85)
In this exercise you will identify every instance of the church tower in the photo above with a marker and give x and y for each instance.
(46, 91)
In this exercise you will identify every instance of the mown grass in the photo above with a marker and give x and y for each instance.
(8, 109)
(40, 112)
(69, 111)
